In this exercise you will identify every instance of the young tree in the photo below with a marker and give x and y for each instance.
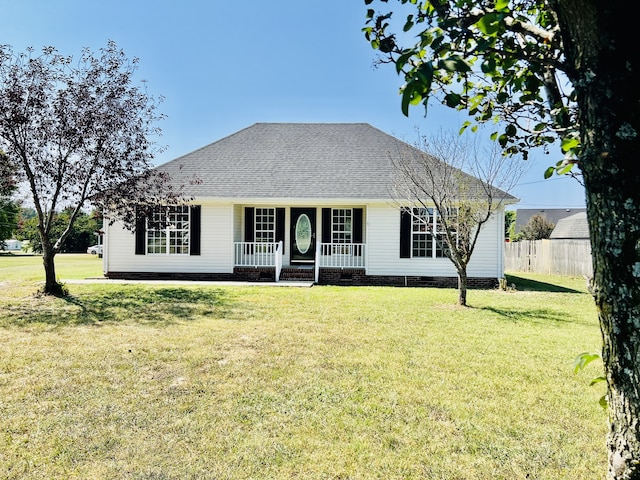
(550, 70)
(536, 228)
(449, 205)
(78, 131)
(509, 224)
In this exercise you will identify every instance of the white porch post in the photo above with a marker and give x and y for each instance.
(278, 260)
(318, 250)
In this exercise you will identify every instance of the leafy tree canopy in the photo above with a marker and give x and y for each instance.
(79, 132)
(82, 234)
(536, 228)
(560, 71)
(9, 213)
(498, 60)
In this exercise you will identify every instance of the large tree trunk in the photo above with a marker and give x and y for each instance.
(607, 82)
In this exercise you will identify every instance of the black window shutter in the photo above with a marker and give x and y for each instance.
(249, 234)
(357, 234)
(141, 234)
(357, 225)
(326, 225)
(280, 226)
(194, 230)
(405, 234)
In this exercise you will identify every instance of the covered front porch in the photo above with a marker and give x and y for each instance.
(299, 241)
(265, 256)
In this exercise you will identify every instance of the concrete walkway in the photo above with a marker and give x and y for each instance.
(108, 281)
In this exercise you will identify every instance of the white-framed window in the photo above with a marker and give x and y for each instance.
(168, 231)
(341, 225)
(265, 225)
(427, 234)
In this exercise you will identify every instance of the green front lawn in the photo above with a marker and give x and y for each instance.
(175, 382)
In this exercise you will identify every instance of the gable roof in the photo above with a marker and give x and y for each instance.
(553, 215)
(574, 226)
(292, 160)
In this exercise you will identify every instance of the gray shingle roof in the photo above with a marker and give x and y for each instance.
(574, 227)
(292, 160)
(553, 215)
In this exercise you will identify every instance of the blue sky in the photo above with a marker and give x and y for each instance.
(223, 65)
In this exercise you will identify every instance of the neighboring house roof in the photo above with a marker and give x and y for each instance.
(553, 215)
(573, 227)
(293, 160)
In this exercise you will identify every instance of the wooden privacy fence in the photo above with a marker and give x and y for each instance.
(560, 257)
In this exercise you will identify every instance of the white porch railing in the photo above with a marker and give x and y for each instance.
(258, 254)
(341, 255)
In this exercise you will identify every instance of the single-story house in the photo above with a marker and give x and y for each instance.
(12, 245)
(552, 215)
(296, 201)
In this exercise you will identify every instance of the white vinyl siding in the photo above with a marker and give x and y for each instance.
(222, 224)
(383, 249)
(216, 254)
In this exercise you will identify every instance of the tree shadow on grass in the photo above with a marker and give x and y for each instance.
(124, 304)
(527, 284)
(534, 316)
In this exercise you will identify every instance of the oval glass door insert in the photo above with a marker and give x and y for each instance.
(303, 233)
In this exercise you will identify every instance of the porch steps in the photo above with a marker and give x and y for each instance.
(297, 274)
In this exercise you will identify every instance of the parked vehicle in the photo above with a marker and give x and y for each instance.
(95, 249)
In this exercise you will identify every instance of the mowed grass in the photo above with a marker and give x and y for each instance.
(255, 382)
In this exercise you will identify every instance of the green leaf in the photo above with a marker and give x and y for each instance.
(416, 99)
(597, 380)
(566, 169)
(569, 144)
(490, 23)
(584, 359)
(425, 74)
(465, 125)
(409, 25)
(502, 97)
(452, 99)
(489, 65)
(502, 5)
(604, 403)
(548, 173)
(511, 130)
(407, 94)
(403, 59)
(454, 64)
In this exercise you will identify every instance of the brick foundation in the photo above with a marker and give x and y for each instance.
(337, 276)
(328, 276)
